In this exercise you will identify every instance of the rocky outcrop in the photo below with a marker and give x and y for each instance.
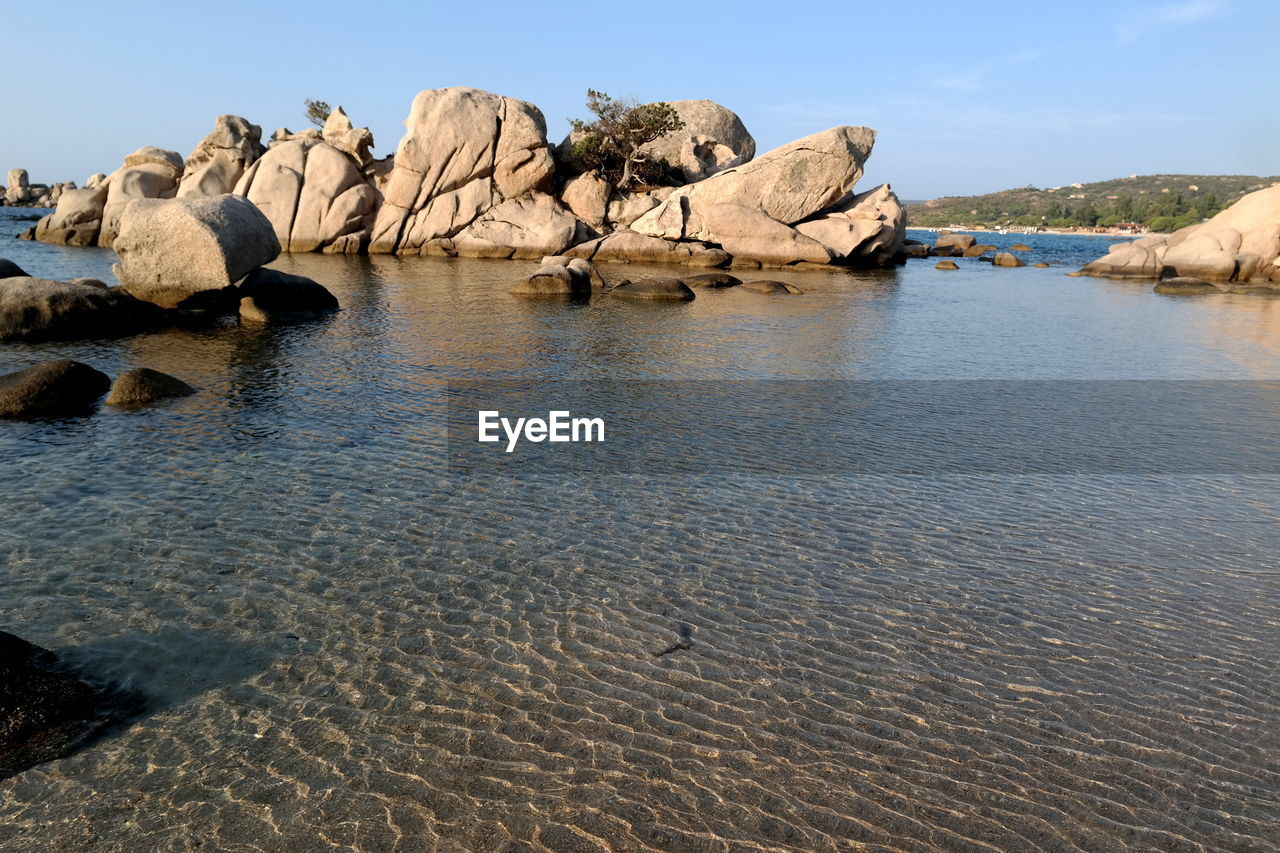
(464, 152)
(750, 235)
(46, 712)
(353, 141)
(527, 227)
(713, 139)
(314, 196)
(789, 184)
(624, 246)
(1240, 245)
(272, 298)
(216, 164)
(77, 220)
(18, 188)
(143, 386)
(33, 309)
(173, 249)
(147, 173)
(51, 389)
(868, 229)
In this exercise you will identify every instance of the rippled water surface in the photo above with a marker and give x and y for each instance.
(350, 648)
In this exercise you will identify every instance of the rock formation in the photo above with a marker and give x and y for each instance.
(355, 142)
(559, 277)
(18, 188)
(149, 172)
(77, 220)
(464, 152)
(713, 139)
(1240, 245)
(173, 249)
(868, 229)
(216, 164)
(660, 289)
(314, 196)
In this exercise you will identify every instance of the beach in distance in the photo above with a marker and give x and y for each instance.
(429, 444)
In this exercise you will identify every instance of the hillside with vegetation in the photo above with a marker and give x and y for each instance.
(1152, 202)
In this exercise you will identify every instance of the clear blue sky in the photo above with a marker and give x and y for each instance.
(967, 97)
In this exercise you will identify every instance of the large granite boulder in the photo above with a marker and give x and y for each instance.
(270, 297)
(587, 197)
(146, 173)
(77, 220)
(314, 196)
(216, 164)
(47, 712)
(33, 309)
(1241, 244)
(867, 229)
(50, 389)
(713, 139)
(788, 184)
(18, 188)
(173, 249)
(353, 141)
(527, 227)
(143, 386)
(464, 152)
(751, 235)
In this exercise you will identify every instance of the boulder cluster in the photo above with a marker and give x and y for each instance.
(475, 176)
(20, 192)
(1238, 249)
(567, 277)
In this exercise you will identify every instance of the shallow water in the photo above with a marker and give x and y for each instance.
(350, 647)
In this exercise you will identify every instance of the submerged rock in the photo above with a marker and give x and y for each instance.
(143, 386)
(663, 288)
(45, 711)
(41, 309)
(712, 280)
(1018, 247)
(173, 249)
(1187, 286)
(946, 265)
(51, 389)
(271, 297)
(770, 286)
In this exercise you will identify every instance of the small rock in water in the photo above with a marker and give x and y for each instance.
(712, 280)
(1019, 247)
(658, 289)
(770, 286)
(51, 389)
(1004, 259)
(143, 386)
(271, 297)
(1186, 286)
(946, 265)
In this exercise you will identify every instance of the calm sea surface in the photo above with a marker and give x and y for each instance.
(349, 645)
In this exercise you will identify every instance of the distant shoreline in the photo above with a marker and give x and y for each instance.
(970, 229)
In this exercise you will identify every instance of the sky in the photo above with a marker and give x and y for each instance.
(966, 98)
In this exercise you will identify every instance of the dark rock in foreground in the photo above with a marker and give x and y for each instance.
(51, 389)
(41, 309)
(8, 269)
(143, 386)
(45, 712)
(271, 297)
(662, 288)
